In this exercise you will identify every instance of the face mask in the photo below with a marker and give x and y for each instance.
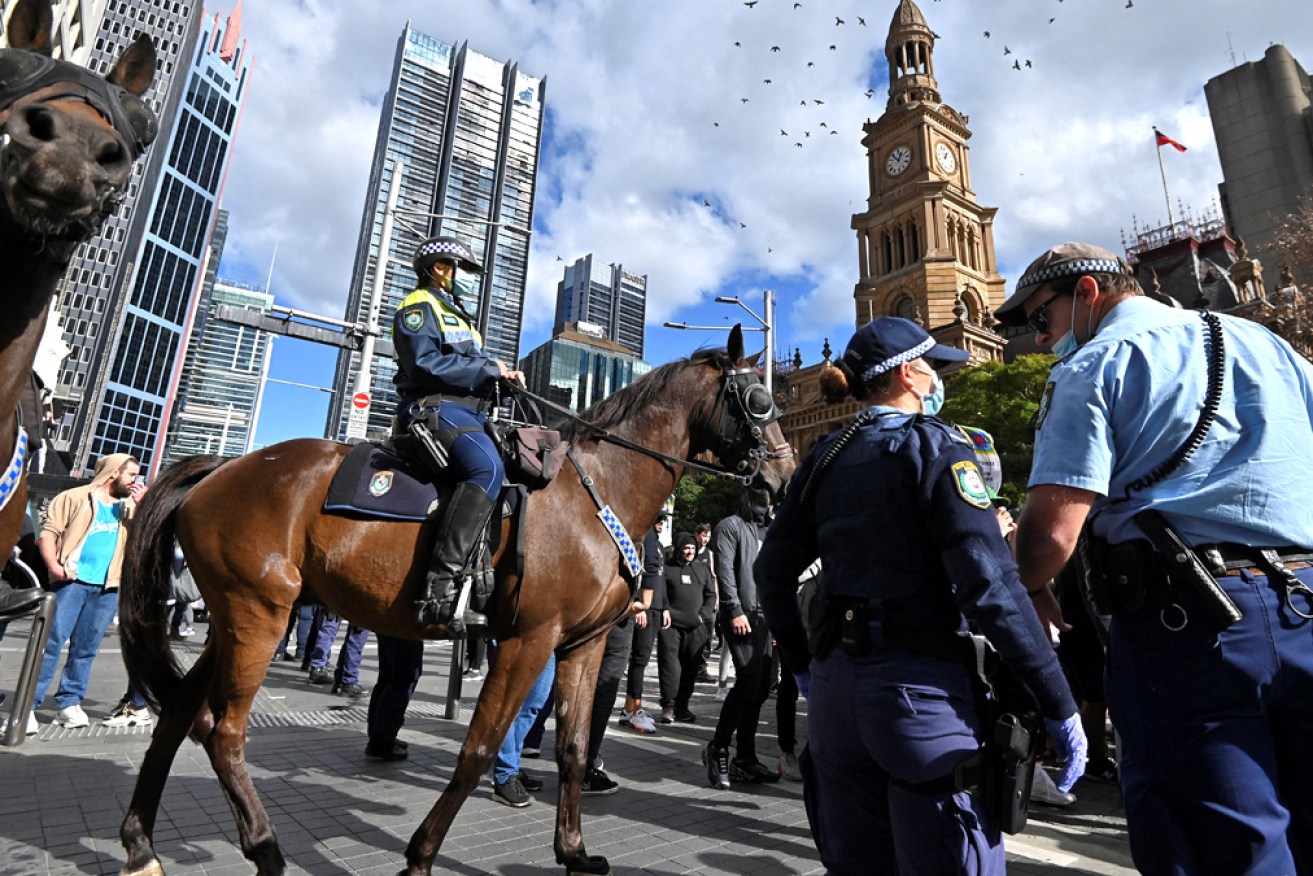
(933, 401)
(1067, 344)
(465, 287)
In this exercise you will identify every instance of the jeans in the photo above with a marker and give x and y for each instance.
(82, 615)
(507, 763)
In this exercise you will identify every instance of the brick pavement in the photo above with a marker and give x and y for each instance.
(65, 791)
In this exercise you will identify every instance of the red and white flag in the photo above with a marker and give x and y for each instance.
(1164, 140)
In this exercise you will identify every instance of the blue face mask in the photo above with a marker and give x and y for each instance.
(464, 287)
(1067, 344)
(933, 401)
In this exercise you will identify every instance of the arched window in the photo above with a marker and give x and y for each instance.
(887, 247)
(916, 241)
(906, 308)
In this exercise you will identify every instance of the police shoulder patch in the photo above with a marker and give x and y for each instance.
(1042, 413)
(413, 319)
(970, 484)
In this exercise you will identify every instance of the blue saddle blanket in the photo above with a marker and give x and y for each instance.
(371, 482)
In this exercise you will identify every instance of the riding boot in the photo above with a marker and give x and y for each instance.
(13, 599)
(463, 519)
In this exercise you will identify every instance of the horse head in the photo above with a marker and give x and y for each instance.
(747, 431)
(67, 136)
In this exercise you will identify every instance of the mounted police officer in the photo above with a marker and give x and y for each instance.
(1181, 442)
(897, 510)
(444, 381)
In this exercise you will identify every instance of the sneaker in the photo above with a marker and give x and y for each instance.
(32, 729)
(529, 751)
(638, 720)
(751, 771)
(511, 793)
(186, 632)
(529, 782)
(396, 750)
(722, 692)
(667, 715)
(788, 767)
(598, 784)
(72, 717)
(350, 690)
(1042, 790)
(684, 716)
(320, 676)
(716, 761)
(126, 716)
(472, 675)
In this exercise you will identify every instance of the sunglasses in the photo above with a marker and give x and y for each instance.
(1039, 317)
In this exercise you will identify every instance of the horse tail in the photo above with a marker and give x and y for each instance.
(147, 581)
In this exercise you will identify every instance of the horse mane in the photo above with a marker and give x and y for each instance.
(638, 396)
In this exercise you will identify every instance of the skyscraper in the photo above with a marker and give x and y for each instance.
(579, 367)
(606, 296)
(467, 129)
(76, 22)
(128, 292)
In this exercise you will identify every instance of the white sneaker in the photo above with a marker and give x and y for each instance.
(638, 720)
(788, 767)
(1042, 790)
(722, 692)
(33, 728)
(72, 717)
(129, 717)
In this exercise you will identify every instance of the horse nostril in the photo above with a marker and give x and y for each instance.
(41, 123)
(111, 154)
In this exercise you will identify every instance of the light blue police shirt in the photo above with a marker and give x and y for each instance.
(1126, 400)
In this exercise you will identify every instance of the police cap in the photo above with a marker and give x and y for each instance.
(445, 249)
(890, 341)
(1067, 260)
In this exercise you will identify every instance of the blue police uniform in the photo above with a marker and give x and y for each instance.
(902, 522)
(439, 353)
(1212, 725)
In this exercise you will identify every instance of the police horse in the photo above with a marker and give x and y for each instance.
(67, 142)
(257, 539)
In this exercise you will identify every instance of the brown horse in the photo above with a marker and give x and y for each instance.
(67, 143)
(256, 539)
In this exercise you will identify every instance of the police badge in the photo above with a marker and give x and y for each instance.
(380, 483)
(413, 319)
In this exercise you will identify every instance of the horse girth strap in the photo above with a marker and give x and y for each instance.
(614, 528)
(12, 475)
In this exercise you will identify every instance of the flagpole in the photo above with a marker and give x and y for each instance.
(1171, 224)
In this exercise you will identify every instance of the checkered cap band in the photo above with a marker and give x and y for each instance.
(1068, 269)
(893, 361)
(440, 247)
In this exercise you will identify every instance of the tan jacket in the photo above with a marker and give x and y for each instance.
(72, 512)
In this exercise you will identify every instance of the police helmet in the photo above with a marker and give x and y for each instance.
(445, 249)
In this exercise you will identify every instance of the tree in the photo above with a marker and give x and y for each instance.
(1002, 399)
(705, 498)
(1293, 243)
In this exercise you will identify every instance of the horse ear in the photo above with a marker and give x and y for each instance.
(735, 349)
(136, 68)
(30, 26)
(752, 360)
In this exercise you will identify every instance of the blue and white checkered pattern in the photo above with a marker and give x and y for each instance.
(14, 473)
(893, 361)
(622, 540)
(443, 247)
(1068, 269)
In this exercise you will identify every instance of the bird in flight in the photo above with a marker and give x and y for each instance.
(823, 125)
(774, 48)
(1028, 64)
(738, 45)
(743, 100)
(986, 36)
(1006, 50)
(706, 203)
(861, 21)
(833, 48)
(1130, 3)
(799, 145)
(765, 82)
(750, 3)
(783, 133)
(870, 92)
(559, 259)
(1051, 20)
(837, 21)
(818, 102)
(811, 63)
(1016, 65)
(741, 225)
(797, 5)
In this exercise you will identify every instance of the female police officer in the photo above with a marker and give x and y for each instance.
(444, 378)
(899, 515)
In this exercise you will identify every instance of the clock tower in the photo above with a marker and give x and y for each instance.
(925, 248)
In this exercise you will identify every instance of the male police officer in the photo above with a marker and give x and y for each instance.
(897, 510)
(1186, 439)
(444, 379)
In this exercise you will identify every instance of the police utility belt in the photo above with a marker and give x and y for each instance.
(1000, 773)
(1163, 576)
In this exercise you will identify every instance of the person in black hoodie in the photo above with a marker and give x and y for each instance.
(691, 601)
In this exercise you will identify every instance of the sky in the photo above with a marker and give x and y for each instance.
(666, 149)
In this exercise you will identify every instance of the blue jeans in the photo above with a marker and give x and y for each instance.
(508, 757)
(82, 615)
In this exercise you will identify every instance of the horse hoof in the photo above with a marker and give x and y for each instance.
(593, 865)
(154, 868)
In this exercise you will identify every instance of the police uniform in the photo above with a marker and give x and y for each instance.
(903, 524)
(439, 353)
(1215, 776)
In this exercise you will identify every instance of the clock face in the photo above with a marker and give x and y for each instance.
(944, 155)
(899, 160)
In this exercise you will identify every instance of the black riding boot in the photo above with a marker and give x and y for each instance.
(12, 599)
(464, 517)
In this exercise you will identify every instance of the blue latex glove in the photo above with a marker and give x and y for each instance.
(1072, 747)
(804, 684)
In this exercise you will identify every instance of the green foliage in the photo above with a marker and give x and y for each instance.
(1002, 399)
(704, 499)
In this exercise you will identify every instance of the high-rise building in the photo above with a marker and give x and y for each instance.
(606, 296)
(76, 23)
(1262, 115)
(467, 129)
(219, 391)
(128, 292)
(579, 367)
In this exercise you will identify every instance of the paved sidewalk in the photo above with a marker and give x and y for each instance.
(65, 791)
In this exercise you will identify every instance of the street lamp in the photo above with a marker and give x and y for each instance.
(765, 329)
